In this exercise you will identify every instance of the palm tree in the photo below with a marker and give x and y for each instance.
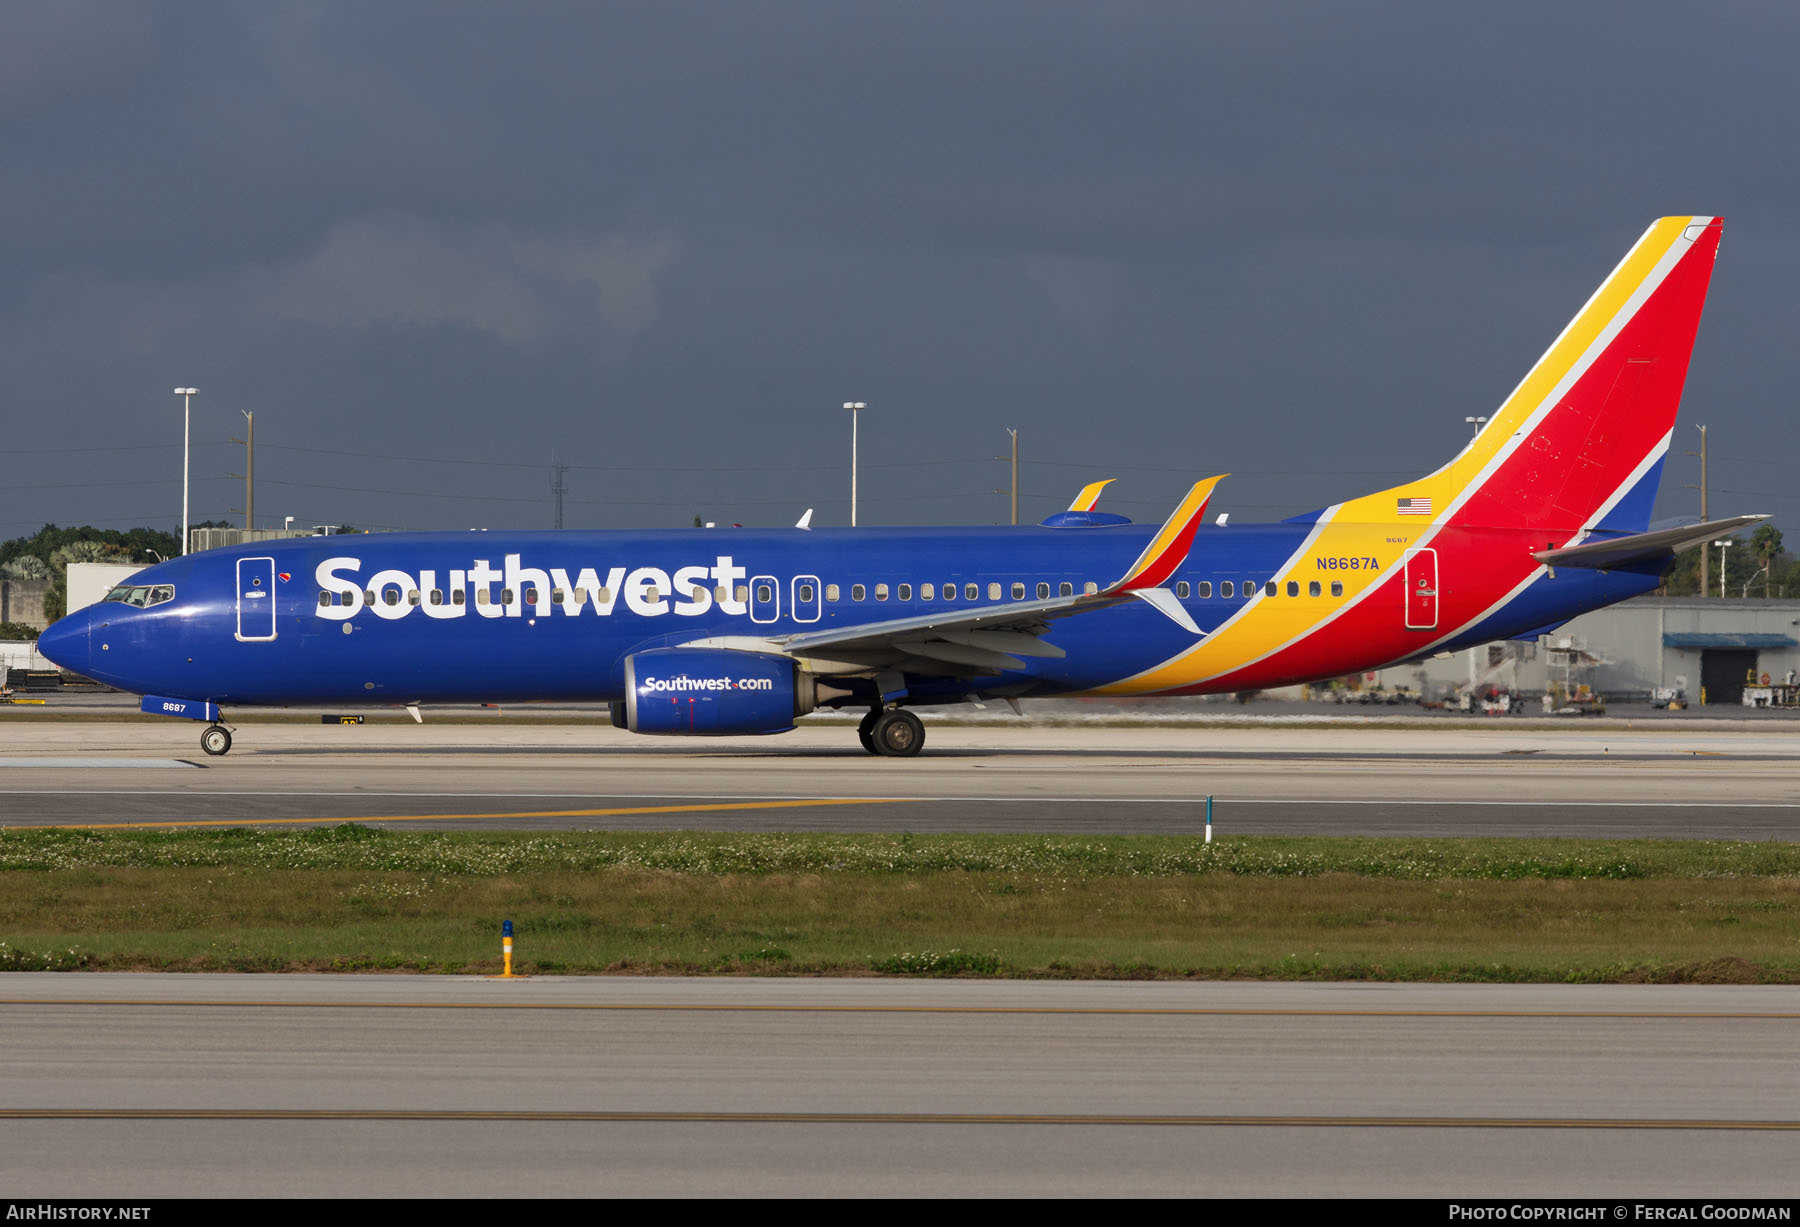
(1765, 542)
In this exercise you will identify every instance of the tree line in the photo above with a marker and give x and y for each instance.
(47, 553)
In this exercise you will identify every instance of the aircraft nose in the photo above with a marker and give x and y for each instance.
(66, 642)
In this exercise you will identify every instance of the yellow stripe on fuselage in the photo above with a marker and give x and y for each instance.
(1336, 551)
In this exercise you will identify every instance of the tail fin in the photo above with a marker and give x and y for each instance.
(1580, 442)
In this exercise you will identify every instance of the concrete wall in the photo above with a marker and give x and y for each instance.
(22, 600)
(21, 655)
(89, 581)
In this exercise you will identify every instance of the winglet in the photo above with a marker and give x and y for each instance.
(1169, 547)
(1090, 494)
(805, 520)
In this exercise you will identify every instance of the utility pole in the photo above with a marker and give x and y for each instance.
(557, 488)
(1015, 474)
(249, 469)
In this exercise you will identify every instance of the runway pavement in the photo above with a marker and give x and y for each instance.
(368, 1086)
(1661, 779)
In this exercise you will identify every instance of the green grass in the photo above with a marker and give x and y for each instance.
(351, 897)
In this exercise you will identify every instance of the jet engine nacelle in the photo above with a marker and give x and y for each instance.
(711, 692)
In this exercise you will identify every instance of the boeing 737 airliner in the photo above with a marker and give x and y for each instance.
(1543, 516)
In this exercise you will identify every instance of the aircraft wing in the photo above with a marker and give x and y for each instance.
(985, 638)
(991, 638)
(1641, 547)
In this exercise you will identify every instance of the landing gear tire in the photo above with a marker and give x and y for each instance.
(898, 734)
(216, 740)
(865, 732)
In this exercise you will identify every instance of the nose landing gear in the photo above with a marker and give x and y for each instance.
(216, 740)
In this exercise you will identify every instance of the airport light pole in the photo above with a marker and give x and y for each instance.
(187, 419)
(1704, 557)
(1723, 546)
(855, 407)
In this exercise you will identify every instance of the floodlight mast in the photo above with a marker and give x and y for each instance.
(855, 407)
(187, 418)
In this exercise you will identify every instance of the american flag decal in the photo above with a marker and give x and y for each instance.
(1413, 506)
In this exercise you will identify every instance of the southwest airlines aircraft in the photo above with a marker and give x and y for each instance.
(1543, 516)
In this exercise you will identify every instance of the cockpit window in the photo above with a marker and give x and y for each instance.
(142, 595)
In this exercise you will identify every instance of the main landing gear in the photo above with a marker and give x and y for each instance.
(896, 733)
(216, 740)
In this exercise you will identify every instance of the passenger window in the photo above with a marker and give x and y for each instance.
(928, 592)
(1337, 587)
(949, 592)
(806, 592)
(412, 598)
(1227, 588)
(391, 595)
(831, 592)
(1294, 587)
(858, 592)
(881, 592)
(531, 596)
(1043, 590)
(1018, 592)
(993, 591)
(369, 596)
(905, 593)
(1066, 588)
(1204, 589)
(1181, 590)
(557, 596)
(506, 596)
(1090, 587)
(743, 592)
(972, 592)
(764, 594)
(324, 599)
(1249, 591)
(1270, 588)
(721, 593)
(481, 596)
(1312, 588)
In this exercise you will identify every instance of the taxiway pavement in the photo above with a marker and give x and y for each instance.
(418, 1086)
(1659, 779)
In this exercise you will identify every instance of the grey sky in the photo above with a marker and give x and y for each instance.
(666, 242)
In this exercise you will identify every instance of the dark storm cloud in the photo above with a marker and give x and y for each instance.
(1299, 242)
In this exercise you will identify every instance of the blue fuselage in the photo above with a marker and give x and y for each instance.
(422, 618)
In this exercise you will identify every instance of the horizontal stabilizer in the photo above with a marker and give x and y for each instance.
(1641, 547)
